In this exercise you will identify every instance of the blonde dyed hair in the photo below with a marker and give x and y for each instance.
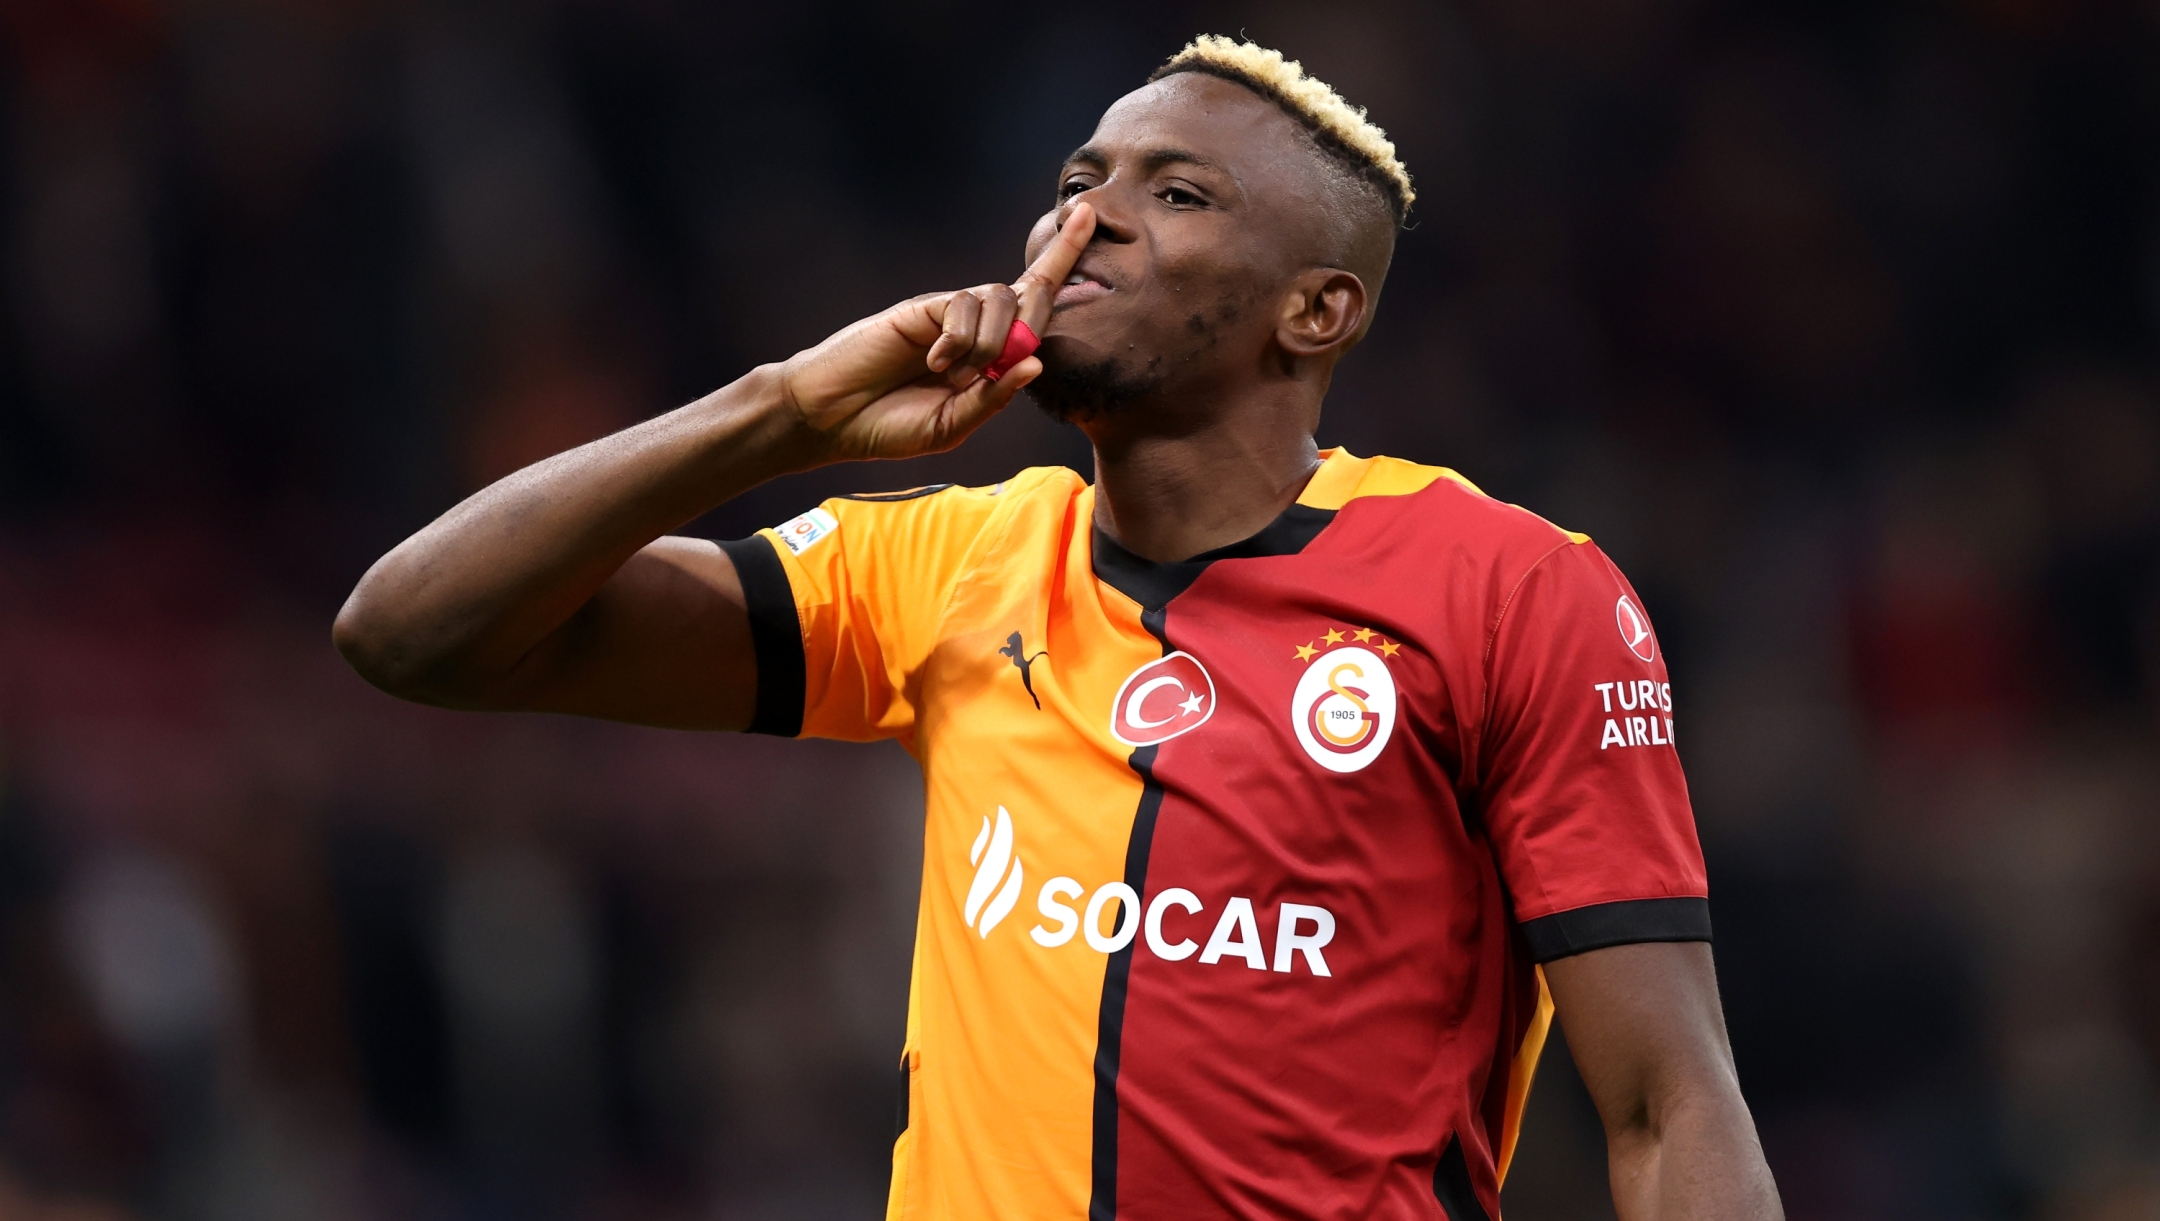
(1339, 127)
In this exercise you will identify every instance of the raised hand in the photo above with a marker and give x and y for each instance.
(908, 381)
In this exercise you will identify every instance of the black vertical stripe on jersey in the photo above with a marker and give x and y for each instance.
(1153, 586)
(1110, 1025)
(775, 635)
(1451, 1183)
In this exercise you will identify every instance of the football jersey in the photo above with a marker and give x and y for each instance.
(1237, 870)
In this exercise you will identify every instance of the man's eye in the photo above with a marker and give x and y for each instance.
(1178, 197)
(1071, 188)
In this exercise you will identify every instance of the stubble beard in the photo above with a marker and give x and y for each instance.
(1080, 393)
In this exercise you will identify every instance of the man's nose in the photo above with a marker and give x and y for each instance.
(1114, 220)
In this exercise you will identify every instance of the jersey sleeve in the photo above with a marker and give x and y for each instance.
(845, 603)
(1581, 786)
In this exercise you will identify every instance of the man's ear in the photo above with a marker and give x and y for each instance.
(1323, 313)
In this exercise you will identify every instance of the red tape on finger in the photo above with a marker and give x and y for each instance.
(1020, 343)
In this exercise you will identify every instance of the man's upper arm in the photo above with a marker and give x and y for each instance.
(1580, 785)
(816, 627)
(665, 642)
(1591, 826)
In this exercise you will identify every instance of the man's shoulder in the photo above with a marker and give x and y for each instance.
(920, 540)
(937, 498)
(952, 505)
(934, 530)
(1439, 506)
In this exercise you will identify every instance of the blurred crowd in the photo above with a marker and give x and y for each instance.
(1836, 324)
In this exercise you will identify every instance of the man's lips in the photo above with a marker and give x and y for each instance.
(1078, 289)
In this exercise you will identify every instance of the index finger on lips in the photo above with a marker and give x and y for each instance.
(1038, 285)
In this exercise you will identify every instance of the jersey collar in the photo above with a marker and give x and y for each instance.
(1153, 585)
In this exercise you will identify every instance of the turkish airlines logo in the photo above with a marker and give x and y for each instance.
(1161, 700)
(1635, 629)
(987, 902)
(1343, 709)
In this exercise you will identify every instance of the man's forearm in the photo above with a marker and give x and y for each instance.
(1697, 1160)
(459, 603)
(552, 590)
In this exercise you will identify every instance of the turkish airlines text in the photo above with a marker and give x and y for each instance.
(1650, 700)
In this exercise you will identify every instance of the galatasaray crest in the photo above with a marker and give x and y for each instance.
(1343, 709)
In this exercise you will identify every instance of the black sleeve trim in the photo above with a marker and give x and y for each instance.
(775, 635)
(1623, 923)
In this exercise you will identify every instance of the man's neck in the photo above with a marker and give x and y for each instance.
(1172, 497)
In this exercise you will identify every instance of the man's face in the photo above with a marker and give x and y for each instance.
(1197, 184)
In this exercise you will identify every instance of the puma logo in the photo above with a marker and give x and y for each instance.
(1018, 652)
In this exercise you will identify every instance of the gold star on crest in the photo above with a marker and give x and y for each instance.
(1305, 652)
(1333, 636)
(1362, 635)
(1389, 650)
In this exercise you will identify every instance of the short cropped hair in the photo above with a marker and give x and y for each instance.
(1340, 129)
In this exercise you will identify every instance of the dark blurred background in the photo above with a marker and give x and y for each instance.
(1835, 322)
